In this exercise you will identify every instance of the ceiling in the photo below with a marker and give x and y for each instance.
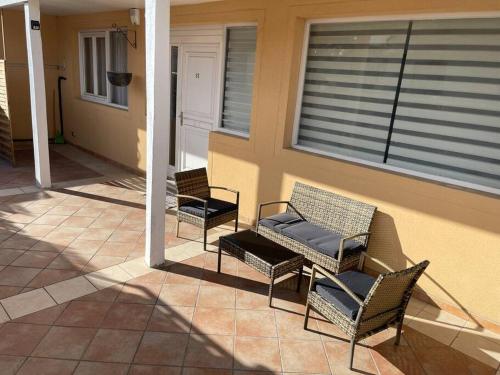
(70, 7)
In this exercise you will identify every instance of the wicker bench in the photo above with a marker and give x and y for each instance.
(328, 229)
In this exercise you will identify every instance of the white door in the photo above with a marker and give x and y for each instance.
(199, 103)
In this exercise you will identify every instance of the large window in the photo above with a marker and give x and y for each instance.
(100, 52)
(415, 96)
(241, 45)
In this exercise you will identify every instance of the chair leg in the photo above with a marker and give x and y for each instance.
(351, 355)
(398, 332)
(236, 225)
(177, 228)
(205, 239)
(306, 316)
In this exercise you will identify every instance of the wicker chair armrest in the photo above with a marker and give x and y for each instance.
(224, 188)
(365, 255)
(322, 271)
(191, 197)
(341, 244)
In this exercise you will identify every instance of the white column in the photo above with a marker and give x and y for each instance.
(158, 113)
(37, 94)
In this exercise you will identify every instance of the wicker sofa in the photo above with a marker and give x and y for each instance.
(328, 229)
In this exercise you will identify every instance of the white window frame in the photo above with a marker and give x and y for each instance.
(450, 182)
(106, 100)
(219, 126)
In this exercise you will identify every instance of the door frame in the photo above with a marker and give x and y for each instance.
(181, 37)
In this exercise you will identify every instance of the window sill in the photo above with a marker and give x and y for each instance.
(96, 100)
(245, 136)
(443, 181)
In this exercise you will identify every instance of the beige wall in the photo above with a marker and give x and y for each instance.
(458, 231)
(114, 133)
(17, 72)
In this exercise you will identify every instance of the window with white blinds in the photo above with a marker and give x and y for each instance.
(241, 45)
(422, 96)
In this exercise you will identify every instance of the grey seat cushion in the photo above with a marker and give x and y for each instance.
(322, 240)
(360, 283)
(215, 208)
(279, 221)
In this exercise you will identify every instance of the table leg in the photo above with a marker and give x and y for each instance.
(271, 285)
(300, 279)
(219, 256)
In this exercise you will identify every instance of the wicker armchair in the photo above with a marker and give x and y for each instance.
(196, 206)
(328, 229)
(361, 305)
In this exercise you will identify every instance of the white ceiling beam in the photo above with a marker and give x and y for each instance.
(37, 93)
(157, 18)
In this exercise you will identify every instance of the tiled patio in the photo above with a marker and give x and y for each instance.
(111, 315)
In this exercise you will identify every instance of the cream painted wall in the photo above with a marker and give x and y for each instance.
(114, 133)
(17, 72)
(458, 231)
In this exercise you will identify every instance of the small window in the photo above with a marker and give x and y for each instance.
(241, 45)
(100, 52)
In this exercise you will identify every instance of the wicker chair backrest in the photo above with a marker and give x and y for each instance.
(332, 211)
(194, 183)
(392, 291)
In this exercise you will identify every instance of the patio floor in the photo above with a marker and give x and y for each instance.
(75, 297)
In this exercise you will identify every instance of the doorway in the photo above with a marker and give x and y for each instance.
(194, 103)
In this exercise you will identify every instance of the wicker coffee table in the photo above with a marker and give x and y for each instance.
(265, 256)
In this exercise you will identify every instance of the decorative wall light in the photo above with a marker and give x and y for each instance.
(135, 20)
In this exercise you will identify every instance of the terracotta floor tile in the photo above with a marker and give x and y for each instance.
(252, 299)
(77, 222)
(62, 210)
(136, 292)
(155, 370)
(65, 342)
(288, 300)
(46, 366)
(212, 321)
(126, 236)
(291, 326)
(392, 360)
(51, 245)
(89, 212)
(160, 348)
(154, 277)
(84, 246)
(205, 371)
(178, 295)
(106, 223)
(327, 330)
(116, 249)
(95, 234)
(7, 291)
(304, 356)
(111, 345)
(19, 242)
(184, 274)
(20, 339)
(37, 230)
(84, 314)
(216, 296)
(48, 219)
(128, 316)
(48, 277)
(175, 319)
(17, 276)
(98, 262)
(69, 261)
(209, 351)
(10, 364)
(338, 355)
(46, 316)
(66, 233)
(255, 323)
(257, 354)
(105, 295)
(35, 259)
(7, 256)
(93, 368)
